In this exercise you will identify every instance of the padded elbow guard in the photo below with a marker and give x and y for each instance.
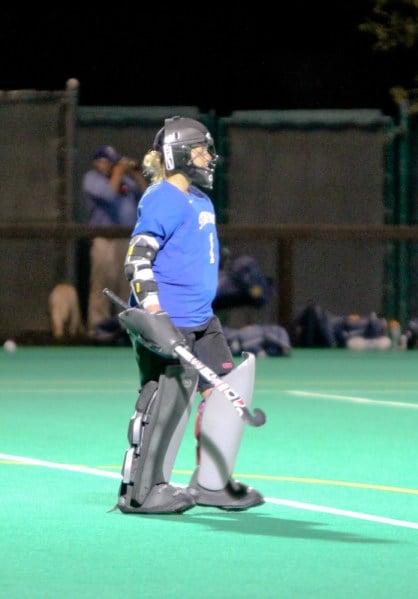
(138, 267)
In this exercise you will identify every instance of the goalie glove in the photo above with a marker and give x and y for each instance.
(154, 330)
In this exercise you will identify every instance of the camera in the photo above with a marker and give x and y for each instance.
(130, 163)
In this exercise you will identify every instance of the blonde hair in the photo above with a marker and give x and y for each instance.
(153, 167)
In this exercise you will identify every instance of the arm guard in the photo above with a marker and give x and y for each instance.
(154, 330)
(138, 269)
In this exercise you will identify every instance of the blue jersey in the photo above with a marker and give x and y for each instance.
(186, 265)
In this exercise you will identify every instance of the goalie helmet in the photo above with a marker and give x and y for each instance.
(175, 141)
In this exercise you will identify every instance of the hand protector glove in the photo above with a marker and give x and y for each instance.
(154, 330)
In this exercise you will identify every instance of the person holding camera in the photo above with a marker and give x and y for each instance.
(112, 189)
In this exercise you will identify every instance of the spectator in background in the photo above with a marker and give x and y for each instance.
(112, 189)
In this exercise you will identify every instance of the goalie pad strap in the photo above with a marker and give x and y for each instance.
(143, 288)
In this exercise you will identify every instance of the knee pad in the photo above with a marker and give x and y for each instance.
(221, 427)
(155, 432)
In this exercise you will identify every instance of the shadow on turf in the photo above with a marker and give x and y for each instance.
(258, 524)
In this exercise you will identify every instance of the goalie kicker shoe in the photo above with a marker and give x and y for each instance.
(234, 497)
(162, 499)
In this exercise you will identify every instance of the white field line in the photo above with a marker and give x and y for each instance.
(293, 504)
(347, 513)
(396, 404)
(56, 466)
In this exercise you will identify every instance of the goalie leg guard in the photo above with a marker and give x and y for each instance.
(219, 437)
(155, 432)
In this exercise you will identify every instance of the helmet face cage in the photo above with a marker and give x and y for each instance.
(179, 136)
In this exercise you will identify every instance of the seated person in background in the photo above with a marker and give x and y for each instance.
(112, 189)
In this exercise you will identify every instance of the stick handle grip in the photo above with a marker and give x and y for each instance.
(118, 301)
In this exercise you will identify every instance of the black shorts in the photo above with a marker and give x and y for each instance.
(207, 343)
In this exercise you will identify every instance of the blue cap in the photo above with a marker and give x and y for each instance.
(108, 152)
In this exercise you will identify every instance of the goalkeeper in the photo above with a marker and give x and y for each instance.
(172, 266)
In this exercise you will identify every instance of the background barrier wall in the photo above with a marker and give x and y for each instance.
(36, 170)
(316, 169)
(312, 167)
(412, 199)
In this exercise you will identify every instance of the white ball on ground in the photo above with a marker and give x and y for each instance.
(10, 346)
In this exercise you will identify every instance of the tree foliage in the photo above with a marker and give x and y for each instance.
(394, 26)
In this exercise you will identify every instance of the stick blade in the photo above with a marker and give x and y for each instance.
(258, 418)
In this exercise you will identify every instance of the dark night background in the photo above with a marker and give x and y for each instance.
(306, 55)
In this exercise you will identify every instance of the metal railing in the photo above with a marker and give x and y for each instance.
(284, 236)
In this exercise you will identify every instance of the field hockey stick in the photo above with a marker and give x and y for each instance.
(256, 419)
